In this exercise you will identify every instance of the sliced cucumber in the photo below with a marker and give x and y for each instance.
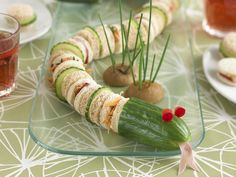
(59, 80)
(69, 47)
(28, 21)
(99, 90)
(143, 123)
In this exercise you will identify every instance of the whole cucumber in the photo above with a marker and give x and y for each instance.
(143, 123)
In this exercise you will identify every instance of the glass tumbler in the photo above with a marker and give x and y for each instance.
(220, 17)
(9, 44)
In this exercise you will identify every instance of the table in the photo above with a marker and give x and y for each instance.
(20, 156)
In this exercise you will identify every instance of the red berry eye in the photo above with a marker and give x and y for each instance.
(167, 115)
(179, 111)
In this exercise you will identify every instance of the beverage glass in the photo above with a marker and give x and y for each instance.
(9, 42)
(220, 17)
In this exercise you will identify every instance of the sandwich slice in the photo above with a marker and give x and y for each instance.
(107, 110)
(66, 65)
(116, 30)
(95, 104)
(59, 57)
(82, 98)
(71, 78)
(227, 71)
(59, 81)
(84, 46)
(105, 49)
(76, 87)
(91, 35)
(67, 46)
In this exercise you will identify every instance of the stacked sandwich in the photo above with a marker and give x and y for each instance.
(73, 84)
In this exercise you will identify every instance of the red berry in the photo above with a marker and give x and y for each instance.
(179, 111)
(167, 115)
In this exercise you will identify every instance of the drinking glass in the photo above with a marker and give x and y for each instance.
(220, 17)
(9, 43)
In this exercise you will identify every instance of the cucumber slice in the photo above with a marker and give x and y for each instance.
(94, 32)
(143, 123)
(99, 90)
(28, 21)
(59, 80)
(69, 47)
(158, 11)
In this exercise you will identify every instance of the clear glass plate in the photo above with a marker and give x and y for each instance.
(57, 127)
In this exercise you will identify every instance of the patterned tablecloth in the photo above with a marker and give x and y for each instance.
(20, 156)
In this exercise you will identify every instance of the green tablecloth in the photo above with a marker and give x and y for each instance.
(20, 156)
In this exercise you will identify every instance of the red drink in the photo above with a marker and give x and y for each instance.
(8, 62)
(220, 17)
(9, 41)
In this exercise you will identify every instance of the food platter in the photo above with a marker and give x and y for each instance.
(57, 127)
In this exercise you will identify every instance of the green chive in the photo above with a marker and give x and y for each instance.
(149, 30)
(122, 33)
(127, 35)
(137, 36)
(153, 61)
(109, 47)
(162, 58)
(131, 69)
(140, 70)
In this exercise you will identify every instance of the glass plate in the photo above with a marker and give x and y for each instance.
(57, 127)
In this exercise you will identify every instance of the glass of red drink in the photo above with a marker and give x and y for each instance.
(9, 42)
(220, 17)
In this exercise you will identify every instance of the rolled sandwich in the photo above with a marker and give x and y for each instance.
(116, 30)
(173, 5)
(24, 13)
(91, 35)
(155, 28)
(161, 6)
(228, 45)
(84, 46)
(96, 101)
(67, 46)
(82, 98)
(227, 71)
(132, 33)
(107, 110)
(116, 114)
(76, 87)
(71, 78)
(66, 65)
(59, 57)
(105, 50)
